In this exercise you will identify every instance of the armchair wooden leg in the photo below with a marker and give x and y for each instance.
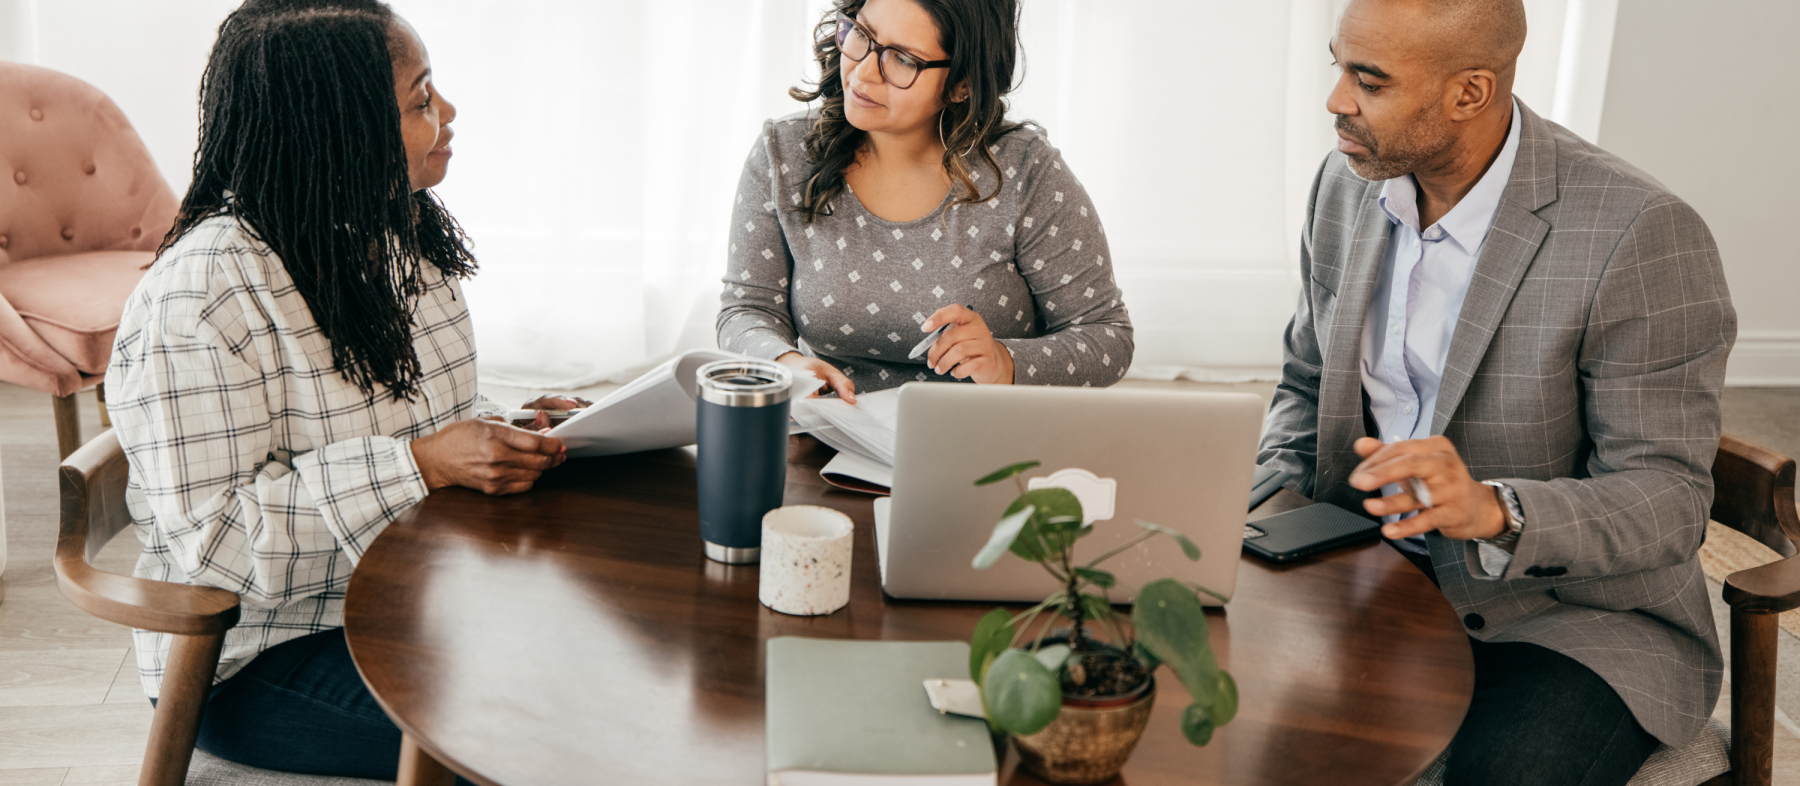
(417, 768)
(68, 424)
(186, 680)
(1753, 647)
(100, 399)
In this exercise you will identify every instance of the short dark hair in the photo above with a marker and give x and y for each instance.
(300, 142)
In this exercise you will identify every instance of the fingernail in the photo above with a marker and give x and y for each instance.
(1359, 479)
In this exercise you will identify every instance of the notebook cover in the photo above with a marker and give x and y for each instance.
(859, 707)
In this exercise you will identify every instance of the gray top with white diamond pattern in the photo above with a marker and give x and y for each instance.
(852, 288)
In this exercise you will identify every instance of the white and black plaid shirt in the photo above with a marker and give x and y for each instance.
(255, 466)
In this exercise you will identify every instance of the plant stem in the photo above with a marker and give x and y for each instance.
(1023, 620)
(1121, 549)
(1077, 634)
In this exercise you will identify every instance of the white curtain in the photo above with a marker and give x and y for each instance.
(599, 144)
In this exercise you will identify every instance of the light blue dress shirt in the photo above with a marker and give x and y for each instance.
(1417, 300)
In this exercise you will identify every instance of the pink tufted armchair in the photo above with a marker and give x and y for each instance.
(82, 209)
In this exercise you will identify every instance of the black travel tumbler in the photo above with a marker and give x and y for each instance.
(742, 425)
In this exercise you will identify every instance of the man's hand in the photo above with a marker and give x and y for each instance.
(835, 381)
(968, 349)
(1461, 506)
(490, 457)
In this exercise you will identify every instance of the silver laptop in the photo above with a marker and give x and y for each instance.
(1179, 459)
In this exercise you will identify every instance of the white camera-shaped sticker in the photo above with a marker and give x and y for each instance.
(1096, 493)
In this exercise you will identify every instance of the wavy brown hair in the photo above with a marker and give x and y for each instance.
(982, 39)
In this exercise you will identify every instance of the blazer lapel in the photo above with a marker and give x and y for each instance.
(1340, 388)
(1512, 242)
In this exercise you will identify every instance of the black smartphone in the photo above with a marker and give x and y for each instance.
(1314, 529)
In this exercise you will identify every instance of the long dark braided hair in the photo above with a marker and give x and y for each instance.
(300, 142)
(982, 39)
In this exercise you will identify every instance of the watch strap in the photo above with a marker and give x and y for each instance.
(1515, 514)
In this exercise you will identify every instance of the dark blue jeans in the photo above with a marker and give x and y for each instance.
(1540, 718)
(301, 707)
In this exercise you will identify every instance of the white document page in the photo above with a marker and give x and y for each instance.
(654, 411)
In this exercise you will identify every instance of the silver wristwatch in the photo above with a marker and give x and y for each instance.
(1515, 515)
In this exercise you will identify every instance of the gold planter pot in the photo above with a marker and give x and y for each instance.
(1089, 741)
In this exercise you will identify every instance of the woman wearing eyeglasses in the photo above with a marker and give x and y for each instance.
(905, 201)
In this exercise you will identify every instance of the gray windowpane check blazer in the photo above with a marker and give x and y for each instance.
(1585, 371)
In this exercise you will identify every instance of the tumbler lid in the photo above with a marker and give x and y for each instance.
(744, 383)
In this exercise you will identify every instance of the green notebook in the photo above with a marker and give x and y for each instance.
(852, 712)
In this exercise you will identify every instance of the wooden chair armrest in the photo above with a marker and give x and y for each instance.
(1765, 589)
(160, 606)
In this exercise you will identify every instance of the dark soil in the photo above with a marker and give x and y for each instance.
(1103, 673)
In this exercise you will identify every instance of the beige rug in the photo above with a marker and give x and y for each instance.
(1728, 551)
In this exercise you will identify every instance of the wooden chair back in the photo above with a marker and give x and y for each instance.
(92, 480)
(1753, 493)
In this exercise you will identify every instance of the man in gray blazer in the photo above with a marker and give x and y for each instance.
(1537, 331)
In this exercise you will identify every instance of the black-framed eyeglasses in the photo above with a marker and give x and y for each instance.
(897, 68)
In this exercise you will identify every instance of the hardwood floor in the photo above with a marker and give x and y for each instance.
(72, 712)
(71, 709)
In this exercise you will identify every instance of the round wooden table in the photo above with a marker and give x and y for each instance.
(575, 634)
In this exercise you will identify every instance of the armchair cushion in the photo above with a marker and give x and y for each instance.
(210, 770)
(73, 302)
(75, 181)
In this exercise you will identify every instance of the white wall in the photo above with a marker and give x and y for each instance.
(1696, 96)
(146, 55)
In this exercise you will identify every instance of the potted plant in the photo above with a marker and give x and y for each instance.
(1076, 702)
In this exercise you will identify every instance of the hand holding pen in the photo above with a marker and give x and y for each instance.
(1433, 481)
(966, 349)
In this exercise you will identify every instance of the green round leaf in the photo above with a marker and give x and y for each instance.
(1006, 534)
(1021, 696)
(993, 634)
(1058, 518)
(1171, 623)
(1225, 702)
(1006, 472)
(1196, 724)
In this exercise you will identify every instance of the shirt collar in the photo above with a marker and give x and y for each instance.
(1468, 222)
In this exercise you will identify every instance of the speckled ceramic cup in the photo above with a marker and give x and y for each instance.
(805, 560)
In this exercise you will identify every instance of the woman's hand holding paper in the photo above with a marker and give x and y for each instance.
(835, 381)
(492, 458)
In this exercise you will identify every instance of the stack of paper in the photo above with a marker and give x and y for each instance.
(654, 411)
(863, 435)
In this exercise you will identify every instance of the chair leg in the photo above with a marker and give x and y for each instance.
(418, 768)
(186, 681)
(68, 424)
(1753, 647)
(100, 398)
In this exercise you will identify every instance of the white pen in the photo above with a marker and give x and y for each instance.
(925, 346)
(1415, 485)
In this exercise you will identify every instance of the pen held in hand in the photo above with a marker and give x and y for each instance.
(1419, 492)
(925, 346)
